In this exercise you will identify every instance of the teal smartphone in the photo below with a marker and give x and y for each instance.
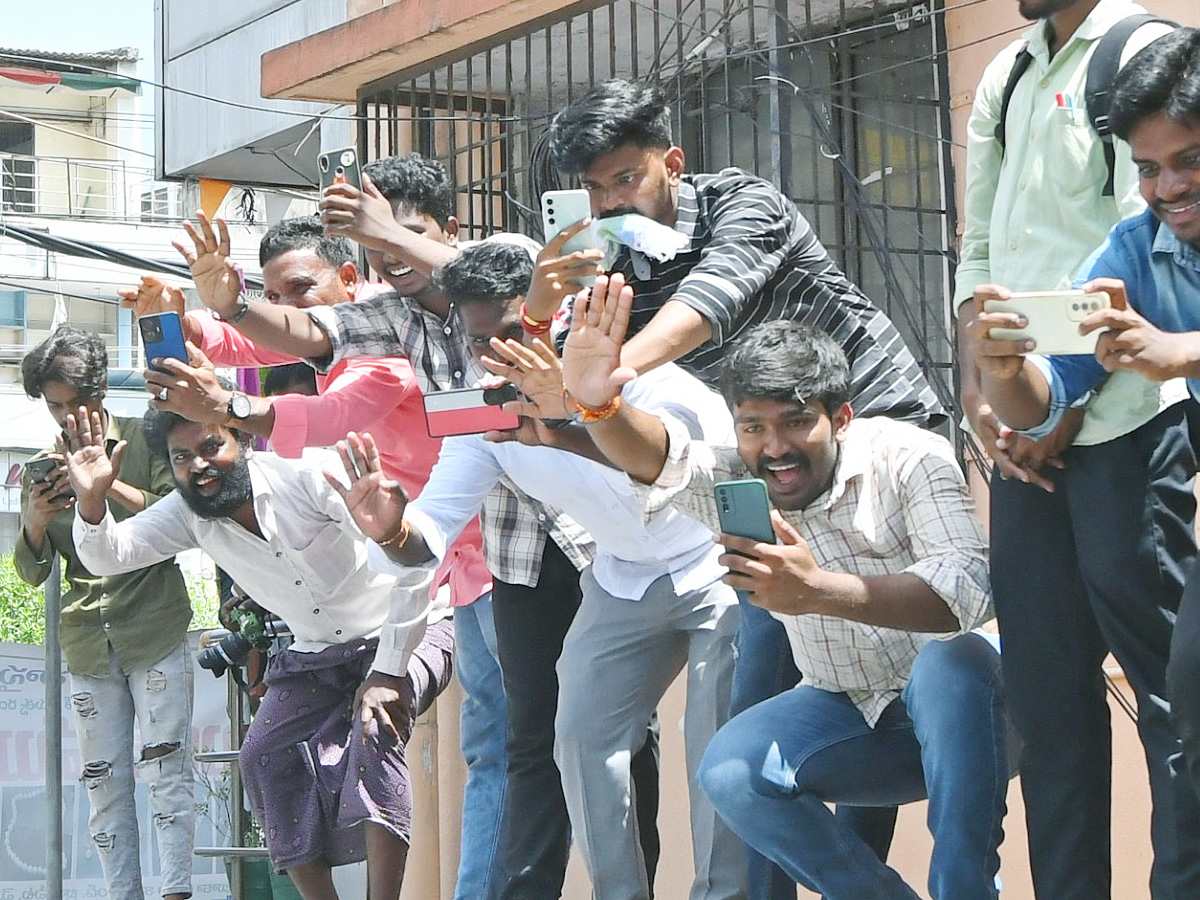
(744, 509)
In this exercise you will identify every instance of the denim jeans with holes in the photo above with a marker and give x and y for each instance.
(160, 698)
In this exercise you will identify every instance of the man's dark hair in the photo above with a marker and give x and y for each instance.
(789, 362)
(305, 233)
(416, 182)
(491, 272)
(158, 424)
(610, 115)
(69, 356)
(292, 378)
(1164, 76)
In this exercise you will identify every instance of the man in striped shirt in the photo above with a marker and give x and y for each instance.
(751, 257)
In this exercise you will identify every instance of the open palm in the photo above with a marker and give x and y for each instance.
(217, 279)
(591, 362)
(376, 503)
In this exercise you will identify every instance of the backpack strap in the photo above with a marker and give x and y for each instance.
(1102, 71)
(1020, 64)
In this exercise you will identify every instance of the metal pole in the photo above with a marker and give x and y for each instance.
(53, 713)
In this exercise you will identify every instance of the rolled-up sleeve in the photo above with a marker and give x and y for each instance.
(946, 536)
(408, 613)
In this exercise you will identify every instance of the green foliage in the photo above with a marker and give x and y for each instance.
(22, 619)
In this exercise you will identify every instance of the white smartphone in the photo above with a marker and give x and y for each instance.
(1053, 318)
(562, 209)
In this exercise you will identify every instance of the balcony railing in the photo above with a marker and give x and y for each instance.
(85, 188)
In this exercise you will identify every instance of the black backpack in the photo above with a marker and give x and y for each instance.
(1102, 70)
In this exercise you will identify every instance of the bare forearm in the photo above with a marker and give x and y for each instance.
(130, 497)
(413, 552)
(676, 329)
(1021, 402)
(633, 441)
(285, 330)
(887, 601)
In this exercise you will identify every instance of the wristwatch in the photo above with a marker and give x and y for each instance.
(239, 406)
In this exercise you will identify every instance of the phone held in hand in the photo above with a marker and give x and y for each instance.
(40, 469)
(1053, 318)
(340, 167)
(744, 509)
(162, 336)
(469, 411)
(561, 210)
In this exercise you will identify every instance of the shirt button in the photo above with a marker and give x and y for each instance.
(316, 612)
(1022, 185)
(108, 624)
(541, 517)
(278, 555)
(1045, 82)
(339, 631)
(448, 330)
(299, 584)
(458, 374)
(1012, 246)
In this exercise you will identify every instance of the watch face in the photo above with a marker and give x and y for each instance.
(239, 406)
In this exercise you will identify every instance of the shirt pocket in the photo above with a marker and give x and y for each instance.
(329, 557)
(1074, 158)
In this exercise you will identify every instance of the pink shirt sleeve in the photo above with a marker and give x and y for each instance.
(226, 346)
(360, 393)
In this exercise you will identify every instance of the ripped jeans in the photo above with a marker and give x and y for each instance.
(160, 697)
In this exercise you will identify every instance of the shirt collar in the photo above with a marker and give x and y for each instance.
(1103, 16)
(687, 210)
(854, 458)
(260, 491)
(1167, 242)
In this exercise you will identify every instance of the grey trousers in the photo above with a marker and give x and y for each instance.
(619, 657)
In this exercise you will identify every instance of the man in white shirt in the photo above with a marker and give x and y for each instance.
(653, 604)
(313, 774)
(879, 574)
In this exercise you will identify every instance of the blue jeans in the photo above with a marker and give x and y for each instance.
(482, 734)
(764, 668)
(770, 771)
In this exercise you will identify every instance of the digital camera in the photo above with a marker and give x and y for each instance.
(232, 649)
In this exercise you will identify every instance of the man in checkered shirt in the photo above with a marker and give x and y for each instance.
(879, 574)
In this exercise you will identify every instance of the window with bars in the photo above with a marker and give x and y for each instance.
(842, 106)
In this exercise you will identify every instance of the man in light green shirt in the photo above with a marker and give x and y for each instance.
(1090, 531)
(124, 637)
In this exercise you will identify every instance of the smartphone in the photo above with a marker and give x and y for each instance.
(340, 167)
(467, 411)
(1054, 318)
(562, 209)
(40, 469)
(162, 336)
(743, 509)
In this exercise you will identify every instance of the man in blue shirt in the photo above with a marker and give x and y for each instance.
(1154, 260)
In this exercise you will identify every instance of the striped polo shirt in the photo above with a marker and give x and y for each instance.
(752, 258)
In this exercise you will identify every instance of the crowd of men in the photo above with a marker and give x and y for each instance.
(566, 569)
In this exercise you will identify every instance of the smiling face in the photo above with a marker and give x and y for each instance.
(403, 278)
(302, 278)
(1167, 155)
(791, 446)
(210, 468)
(631, 179)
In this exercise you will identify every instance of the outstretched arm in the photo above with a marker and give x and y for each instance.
(219, 285)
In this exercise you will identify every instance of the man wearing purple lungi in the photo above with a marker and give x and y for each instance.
(325, 752)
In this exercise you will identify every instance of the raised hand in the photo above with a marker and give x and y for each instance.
(152, 295)
(376, 502)
(996, 358)
(591, 361)
(365, 216)
(536, 370)
(556, 276)
(214, 273)
(91, 470)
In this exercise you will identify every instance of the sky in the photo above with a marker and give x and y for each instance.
(74, 26)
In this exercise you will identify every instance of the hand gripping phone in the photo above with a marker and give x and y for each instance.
(469, 411)
(1053, 318)
(162, 336)
(743, 509)
(39, 469)
(562, 209)
(340, 167)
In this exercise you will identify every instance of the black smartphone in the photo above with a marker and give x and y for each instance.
(162, 336)
(340, 167)
(40, 469)
(744, 509)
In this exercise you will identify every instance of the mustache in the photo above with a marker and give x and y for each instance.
(619, 211)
